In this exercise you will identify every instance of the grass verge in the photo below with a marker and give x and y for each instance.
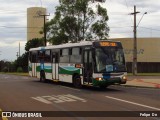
(15, 73)
(145, 74)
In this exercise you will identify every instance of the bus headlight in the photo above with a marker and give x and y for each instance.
(99, 79)
(124, 78)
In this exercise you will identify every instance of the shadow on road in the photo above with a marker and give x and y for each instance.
(88, 88)
(49, 82)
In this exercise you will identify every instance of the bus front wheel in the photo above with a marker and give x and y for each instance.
(103, 86)
(77, 81)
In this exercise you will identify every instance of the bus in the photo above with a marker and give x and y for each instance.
(92, 63)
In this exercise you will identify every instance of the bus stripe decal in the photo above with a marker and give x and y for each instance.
(68, 70)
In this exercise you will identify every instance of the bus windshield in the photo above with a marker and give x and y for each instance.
(109, 59)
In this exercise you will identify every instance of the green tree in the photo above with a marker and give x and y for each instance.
(22, 62)
(36, 42)
(76, 20)
(19, 69)
(7, 66)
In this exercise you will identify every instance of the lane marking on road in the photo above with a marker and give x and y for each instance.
(3, 118)
(134, 103)
(58, 99)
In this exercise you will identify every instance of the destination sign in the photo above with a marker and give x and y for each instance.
(105, 43)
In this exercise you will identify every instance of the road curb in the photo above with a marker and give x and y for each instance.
(139, 86)
(143, 83)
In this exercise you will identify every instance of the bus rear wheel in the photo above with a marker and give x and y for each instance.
(77, 81)
(42, 76)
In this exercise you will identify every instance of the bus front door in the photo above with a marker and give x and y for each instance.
(88, 68)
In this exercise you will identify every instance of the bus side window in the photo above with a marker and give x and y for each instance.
(47, 58)
(40, 56)
(64, 55)
(76, 55)
(55, 57)
(34, 56)
(60, 52)
(30, 54)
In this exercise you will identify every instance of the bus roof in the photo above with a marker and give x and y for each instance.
(66, 45)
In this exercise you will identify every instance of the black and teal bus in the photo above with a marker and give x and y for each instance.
(91, 63)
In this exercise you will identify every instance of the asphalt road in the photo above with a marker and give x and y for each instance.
(21, 93)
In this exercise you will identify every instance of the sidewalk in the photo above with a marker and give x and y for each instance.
(144, 81)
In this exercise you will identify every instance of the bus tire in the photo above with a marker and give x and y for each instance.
(42, 76)
(124, 82)
(103, 87)
(77, 81)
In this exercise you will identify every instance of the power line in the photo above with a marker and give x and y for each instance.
(7, 10)
(120, 26)
(128, 10)
(17, 32)
(149, 28)
(18, 27)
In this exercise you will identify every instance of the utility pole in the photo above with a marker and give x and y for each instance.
(134, 64)
(44, 28)
(0, 64)
(0, 52)
(17, 55)
(19, 50)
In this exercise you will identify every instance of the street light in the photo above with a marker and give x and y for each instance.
(141, 18)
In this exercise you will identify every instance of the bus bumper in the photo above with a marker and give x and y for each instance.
(109, 81)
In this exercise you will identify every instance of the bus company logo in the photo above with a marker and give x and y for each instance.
(39, 12)
(130, 51)
(21, 114)
(6, 114)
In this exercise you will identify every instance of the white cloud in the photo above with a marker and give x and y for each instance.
(9, 51)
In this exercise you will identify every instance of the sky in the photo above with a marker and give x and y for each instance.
(13, 21)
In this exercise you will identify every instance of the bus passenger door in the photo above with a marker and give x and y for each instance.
(34, 69)
(88, 68)
(34, 63)
(55, 66)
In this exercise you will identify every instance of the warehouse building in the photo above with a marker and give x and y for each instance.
(148, 54)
